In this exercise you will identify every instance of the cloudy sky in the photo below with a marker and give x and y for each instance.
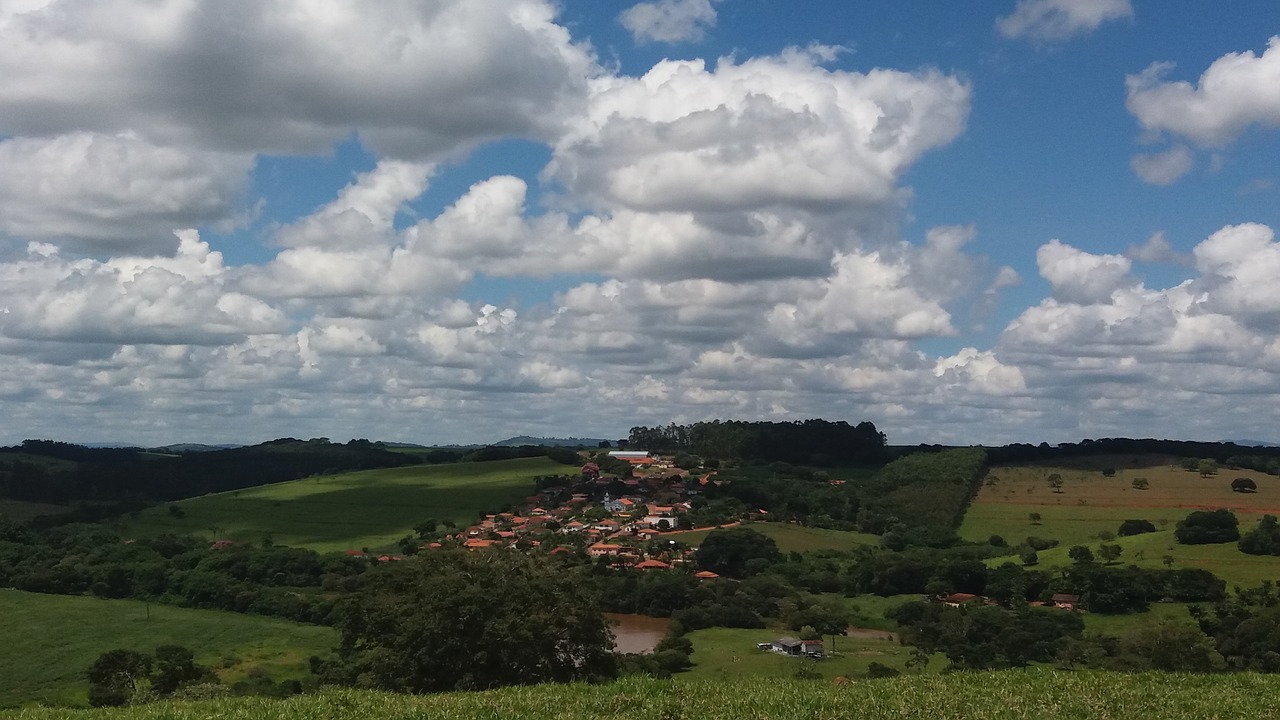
(459, 220)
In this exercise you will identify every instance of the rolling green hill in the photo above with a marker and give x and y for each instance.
(51, 640)
(1090, 504)
(1003, 695)
(367, 509)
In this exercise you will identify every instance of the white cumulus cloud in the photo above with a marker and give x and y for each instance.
(669, 21)
(1048, 20)
(1237, 91)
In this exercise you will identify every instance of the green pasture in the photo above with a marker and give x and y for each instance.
(366, 509)
(1121, 625)
(790, 538)
(1091, 504)
(1149, 550)
(21, 511)
(49, 642)
(1003, 695)
(731, 654)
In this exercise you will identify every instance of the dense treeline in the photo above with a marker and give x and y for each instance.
(78, 474)
(92, 559)
(1263, 459)
(820, 443)
(61, 473)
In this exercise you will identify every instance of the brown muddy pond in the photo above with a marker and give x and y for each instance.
(636, 633)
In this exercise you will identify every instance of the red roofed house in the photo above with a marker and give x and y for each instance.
(652, 565)
(705, 575)
(602, 549)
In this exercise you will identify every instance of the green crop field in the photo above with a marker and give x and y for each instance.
(973, 696)
(1091, 504)
(49, 642)
(367, 509)
(797, 538)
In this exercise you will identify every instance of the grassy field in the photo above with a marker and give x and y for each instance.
(974, 696)
(790, 537)
(22, 511)
(1090, 504)
(730, 653)
(368, 509)
(49, 642)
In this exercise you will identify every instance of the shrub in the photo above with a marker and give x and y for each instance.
(1135, 527)
(1204, 527)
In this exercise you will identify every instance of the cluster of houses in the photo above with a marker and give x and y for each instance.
(621, 519)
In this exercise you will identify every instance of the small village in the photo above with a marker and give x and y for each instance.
(624, 519)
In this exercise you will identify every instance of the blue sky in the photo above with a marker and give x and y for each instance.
(455, 221)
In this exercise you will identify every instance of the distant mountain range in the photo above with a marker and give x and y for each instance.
(1252, 443)
(549, 442)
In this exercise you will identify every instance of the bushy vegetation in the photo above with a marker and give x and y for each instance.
(1205, 527)
(809, 442)
(454, 620)
(1262, 540)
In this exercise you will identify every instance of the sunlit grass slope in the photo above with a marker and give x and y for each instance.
(368, 509)
(1091, 504)
(48, 642)
(972, 696)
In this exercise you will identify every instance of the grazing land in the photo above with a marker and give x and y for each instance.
(980, 696)
(367, 509)
(790, 538)
(51, 640)
(20, 511)
(731, 653)
(1091, 504)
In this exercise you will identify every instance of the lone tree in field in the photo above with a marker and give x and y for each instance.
(116, 675)
(1136, 527)
(457, 620)
(1080, 554)
(1109, 553)
(1141, 483)
(1035, 518)
(1244, 484)
(1203, 528)
(1207, 467)
(1055, 482)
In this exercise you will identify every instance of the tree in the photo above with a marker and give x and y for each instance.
(1204, 527)
(456, 620)
(1135, 527)
(174, 668)
(115, 676)
(1141, 483)
(1262, 540)
(1109, 552)
(1244, 484)
(1207, 467)
(1080, 554)
(1030, 557)
(728, 550)
(1055, 482)
(1035, 518)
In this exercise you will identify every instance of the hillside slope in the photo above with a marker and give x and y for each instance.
(371, 508)
(974, 696)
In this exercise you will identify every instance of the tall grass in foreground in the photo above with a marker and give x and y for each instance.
(973, 696)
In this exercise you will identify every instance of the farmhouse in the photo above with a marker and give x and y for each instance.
(1064, 601)
(797, 648)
